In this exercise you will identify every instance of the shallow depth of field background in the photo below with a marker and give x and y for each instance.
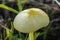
(51, 32)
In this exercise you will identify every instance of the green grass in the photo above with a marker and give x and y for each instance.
(8, 8)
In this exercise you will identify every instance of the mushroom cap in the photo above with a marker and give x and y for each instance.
(31, 20)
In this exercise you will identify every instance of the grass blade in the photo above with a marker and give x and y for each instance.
(8, 8)
(20, 7)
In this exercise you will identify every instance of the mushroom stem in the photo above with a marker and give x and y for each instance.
(31, 36)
